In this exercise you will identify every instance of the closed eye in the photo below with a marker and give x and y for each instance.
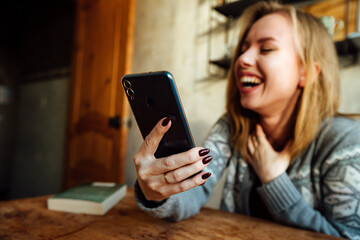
(266, 50)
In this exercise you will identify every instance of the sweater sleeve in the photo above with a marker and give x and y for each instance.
(341, 191)
(287, 206)
(339, 179)
(188, 203)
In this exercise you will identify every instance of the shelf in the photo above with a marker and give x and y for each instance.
(348, 49)
(235, 9)
(349, 46)
(223, 63)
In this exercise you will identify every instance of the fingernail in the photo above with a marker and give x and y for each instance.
(203, 152)
(166, 121)
(207, 159)
(206, 176)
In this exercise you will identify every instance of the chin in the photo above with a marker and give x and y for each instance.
(247, 105)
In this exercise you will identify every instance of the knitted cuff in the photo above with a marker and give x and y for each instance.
(279, 194)
(154, 208)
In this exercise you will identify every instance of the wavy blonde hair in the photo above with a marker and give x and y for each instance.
(319, 98)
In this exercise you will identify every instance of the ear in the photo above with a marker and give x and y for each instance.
(316, 69)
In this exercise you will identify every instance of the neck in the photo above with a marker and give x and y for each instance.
(279, 126)
(278, 130)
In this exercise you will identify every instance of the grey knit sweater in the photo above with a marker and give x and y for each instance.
(320, 190)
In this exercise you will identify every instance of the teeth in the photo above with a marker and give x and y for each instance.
(247, 79)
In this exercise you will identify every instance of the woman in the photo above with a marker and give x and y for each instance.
(288, 158)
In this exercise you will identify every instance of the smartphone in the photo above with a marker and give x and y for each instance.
(153, 96)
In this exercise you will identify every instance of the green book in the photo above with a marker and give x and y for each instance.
(93, 198)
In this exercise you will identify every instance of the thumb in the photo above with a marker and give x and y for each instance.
(151, 141)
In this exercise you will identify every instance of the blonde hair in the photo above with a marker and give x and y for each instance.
(319, 98)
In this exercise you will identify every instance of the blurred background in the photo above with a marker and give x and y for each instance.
(63, 116)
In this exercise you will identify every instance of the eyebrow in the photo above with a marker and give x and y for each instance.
(262, 40)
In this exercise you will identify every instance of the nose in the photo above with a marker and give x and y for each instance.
(247, 58)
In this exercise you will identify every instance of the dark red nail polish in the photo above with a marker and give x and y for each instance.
(166, 121)
(203, 152)
(207, 159)
(206, 176)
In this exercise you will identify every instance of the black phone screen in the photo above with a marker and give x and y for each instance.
(153, 96)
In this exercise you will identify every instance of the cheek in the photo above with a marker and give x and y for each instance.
(282, 74)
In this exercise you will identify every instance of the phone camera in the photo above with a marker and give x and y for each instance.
(127, 84)
(130, 92)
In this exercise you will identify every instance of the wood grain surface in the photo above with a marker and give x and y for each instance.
(30, 219)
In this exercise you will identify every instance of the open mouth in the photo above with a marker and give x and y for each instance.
(250, 81)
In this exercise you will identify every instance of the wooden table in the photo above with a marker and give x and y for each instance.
(30, 219)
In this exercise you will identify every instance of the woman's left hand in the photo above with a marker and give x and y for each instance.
(267, 163)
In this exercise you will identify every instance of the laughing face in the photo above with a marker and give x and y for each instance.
(268, 72)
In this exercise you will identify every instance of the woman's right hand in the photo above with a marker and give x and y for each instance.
(159, 178)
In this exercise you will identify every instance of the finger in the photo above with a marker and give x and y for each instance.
(182, 173)
(250, 145)
(261, 136)
(176, 161)
(260, 132)
(188, 184)
(151, 142)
